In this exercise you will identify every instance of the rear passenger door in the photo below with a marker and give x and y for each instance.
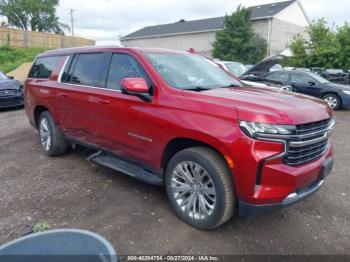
(81, 86)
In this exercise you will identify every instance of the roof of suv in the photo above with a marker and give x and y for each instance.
(88, 49)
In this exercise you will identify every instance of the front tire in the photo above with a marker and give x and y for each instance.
(333, 101)
(52, 142)
(199, 187)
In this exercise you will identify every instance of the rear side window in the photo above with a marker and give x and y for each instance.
(87, 69)
(300, 78)
(124, 66)
(43, 67)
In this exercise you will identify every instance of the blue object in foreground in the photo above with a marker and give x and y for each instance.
(59, 245)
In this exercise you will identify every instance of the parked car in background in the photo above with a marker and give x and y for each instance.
(11, 92)
(336, 76)
(172, 118)
(235, 68)
(317, 70)
(302, 69)
(249, 66)
(253, 76)
(276, 67)
(309, 83)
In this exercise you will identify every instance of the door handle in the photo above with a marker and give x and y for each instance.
(103, 101)
(64, 94)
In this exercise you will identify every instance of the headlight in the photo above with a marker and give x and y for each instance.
(346, 92)
(259, 130)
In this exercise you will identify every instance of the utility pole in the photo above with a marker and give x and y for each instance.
(72, 20)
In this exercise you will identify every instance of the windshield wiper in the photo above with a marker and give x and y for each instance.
(197, 88)
(230, 85)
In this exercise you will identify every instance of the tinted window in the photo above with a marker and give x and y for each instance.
(300, 78)
(87, 69)
(281, 76)
(43, 67)
(124, 66)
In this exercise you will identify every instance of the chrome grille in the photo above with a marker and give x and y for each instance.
(310, 142)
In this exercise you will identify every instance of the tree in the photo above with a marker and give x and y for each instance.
(327, 47)
(237, 41)
(34, 15)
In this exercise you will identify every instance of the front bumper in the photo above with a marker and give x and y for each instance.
(247, 209)
(11, 101)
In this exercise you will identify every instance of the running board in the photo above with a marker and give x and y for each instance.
(125, 167)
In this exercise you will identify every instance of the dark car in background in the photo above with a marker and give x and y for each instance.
(309, 83)
(336, 76)
(255, 75)
(11, 92)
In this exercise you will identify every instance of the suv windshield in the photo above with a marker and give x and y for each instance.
(3, 76)
(237, 69)
(190, 72)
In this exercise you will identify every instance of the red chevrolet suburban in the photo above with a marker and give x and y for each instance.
(174, 118)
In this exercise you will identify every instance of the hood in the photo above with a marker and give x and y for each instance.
(264, 66)
(9, 84)
(265, 105)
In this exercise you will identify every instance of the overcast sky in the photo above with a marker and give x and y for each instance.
(106, 20)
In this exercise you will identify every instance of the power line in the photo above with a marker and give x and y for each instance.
(71, 11)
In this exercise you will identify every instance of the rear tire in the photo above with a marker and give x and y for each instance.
(52, 142)
(333, 101)
(199, 187)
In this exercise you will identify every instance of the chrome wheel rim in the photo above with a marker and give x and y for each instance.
(332, 101)
(45, 134)
(193, 190)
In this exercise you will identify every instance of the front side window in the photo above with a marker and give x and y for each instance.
(300, 78)
(124, 66)
(319, 78)
(278, 76)
(187, 71)
(43, 67)
(87, 69)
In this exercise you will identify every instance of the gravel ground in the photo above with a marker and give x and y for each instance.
(70, 192)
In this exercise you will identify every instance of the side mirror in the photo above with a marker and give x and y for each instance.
(136, 87)
(11, 77)
(312, 83)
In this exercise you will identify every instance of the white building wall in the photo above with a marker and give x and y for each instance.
(284, 27)
(283, 33)
(201, 42)
(261, 27)
(294, 14)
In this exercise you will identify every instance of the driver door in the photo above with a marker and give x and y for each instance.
(127, 125)
(304, 84)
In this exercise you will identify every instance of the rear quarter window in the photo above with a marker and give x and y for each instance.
(43, 67)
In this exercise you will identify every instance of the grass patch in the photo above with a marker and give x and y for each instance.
(13, 57)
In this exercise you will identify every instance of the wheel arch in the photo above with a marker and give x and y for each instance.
(39, 109)
(175, 145)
